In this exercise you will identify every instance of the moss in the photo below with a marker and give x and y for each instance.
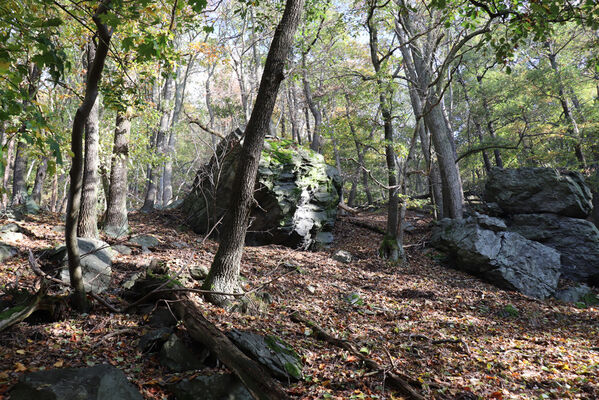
(7, 314)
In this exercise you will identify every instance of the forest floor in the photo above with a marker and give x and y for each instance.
(452, 335)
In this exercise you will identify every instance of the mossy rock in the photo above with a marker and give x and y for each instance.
(297, 195)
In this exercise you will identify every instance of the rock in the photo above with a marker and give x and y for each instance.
(31, 206)
(539, 190)
(342, 256)
(577, 240)
(7, 252)
(199, 272)
(59, 229)
(408, 227)
(162, 317)
(270, 351)
(145, 241)
(177, 357)
(153, 340)
(11, 227)
(506, 259)
(213, 387)
(122, 249)
(102, 382)
(12, 237)
(573, 294)
(180, 245)
(145, 250)
(129, 283)
(96, 264)
(296, 194)
(117, 232)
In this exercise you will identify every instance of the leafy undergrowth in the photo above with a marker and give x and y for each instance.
(452, 335)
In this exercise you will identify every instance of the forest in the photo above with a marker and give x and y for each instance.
(312, 199)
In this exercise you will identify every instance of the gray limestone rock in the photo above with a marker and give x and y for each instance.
(102, 382)
(505, 259)
(342, 256)
(296, 194)
(573, 294)
(199, 272)
(96, 264)
(7, 252)
(272, 352)
(212, 387)
(177, 357)
(576, 239)
(122, 249)
(539, 190)
(146, 241)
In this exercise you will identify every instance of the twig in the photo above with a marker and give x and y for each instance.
(400, 382)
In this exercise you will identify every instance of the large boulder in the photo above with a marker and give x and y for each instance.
(576, 239)
(96, 263)
(102, 382)
(539, 190)
(296, 195)
(481, 246)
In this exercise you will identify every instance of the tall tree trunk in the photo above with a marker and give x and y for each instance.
(316, 113)
(7, 171)
(19, 182)
(224, 272)
(391, 248)
(573, 125)
(88, 213)
(74, 198)
(116, 224)
(54, 193)
(161, 138)
(40, 176)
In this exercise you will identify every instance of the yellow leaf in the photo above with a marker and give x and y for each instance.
(59, 363)
(21, 352)
(20, 367)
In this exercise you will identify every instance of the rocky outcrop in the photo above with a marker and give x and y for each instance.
(539, 190)
(102, 382)
(577, 240)
(212, 387)
(296, 195)
(481, 245)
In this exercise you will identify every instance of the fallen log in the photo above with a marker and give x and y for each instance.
(347, 208)
(17, 314)
(254, 377)
(394, 378)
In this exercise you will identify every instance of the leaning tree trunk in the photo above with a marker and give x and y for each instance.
(450, 176)
(88, 213)
(224, 272)
(116, 224)
(40, 176)
(74, 198)
(7, 170)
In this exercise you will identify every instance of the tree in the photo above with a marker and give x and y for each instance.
(88, 214)
(104, 34)
(224, 271)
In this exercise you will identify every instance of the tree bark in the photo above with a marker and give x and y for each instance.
(19, 182)
(224, 272)
(74, 198)
(116, 224)
(88, 213)
(40, 176)
(391, 248)
(7, 171)
(160, 144)
(316, 113)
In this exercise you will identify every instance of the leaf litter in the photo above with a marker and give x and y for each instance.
(452, 335)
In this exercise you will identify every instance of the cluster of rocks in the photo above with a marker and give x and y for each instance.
(296, 195)
(537, 235)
